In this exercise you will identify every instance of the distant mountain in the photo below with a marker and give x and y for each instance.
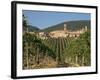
(31, 28)
(71, 25)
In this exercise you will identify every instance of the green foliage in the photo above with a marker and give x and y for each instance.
(37, 42)
(80, 47)
(62, 50)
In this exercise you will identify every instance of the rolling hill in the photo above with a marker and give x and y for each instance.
(71, 25)
(31, 28)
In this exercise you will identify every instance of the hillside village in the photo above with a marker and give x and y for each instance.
(61, 33)
(57, 48)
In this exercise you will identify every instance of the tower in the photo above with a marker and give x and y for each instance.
(65, 27)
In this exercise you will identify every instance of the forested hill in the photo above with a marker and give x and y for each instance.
(71, 25)
(32, 28)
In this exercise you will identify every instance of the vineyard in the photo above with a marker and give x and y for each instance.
(56, 52)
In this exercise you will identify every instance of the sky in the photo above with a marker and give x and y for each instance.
(44, 19)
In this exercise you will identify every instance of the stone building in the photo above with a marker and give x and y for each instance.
(67, 33)
(60, 33)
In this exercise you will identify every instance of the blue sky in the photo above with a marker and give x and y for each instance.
(43, 19)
